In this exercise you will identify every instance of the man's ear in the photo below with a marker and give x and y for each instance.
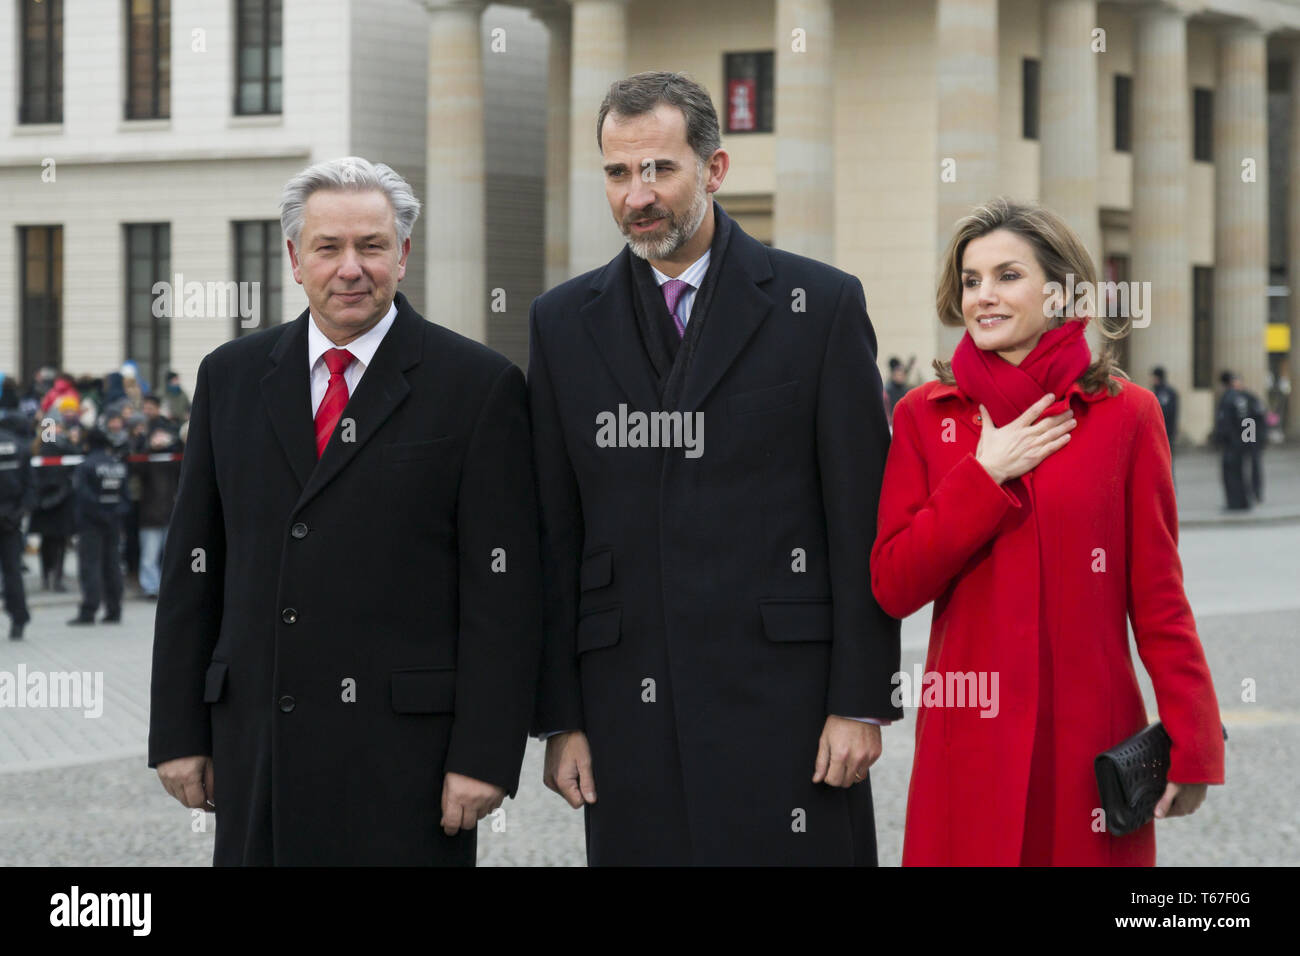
(293, 259)
(401, 263)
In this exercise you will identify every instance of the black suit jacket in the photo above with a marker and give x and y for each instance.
(339, 634)
(705, 615)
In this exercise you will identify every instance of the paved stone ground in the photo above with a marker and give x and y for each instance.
(76, 791)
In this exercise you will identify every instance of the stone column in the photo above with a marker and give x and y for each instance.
(599, 57)
(1068, 132)
(1241, 205)
(1161, 156)
(455, 230)
(966, 56)
(1293, 243)
(803, 209)
(556, 17)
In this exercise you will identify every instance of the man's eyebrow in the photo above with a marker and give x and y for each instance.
(615, 167)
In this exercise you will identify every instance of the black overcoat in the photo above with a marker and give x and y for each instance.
(704, 615)
(339, 634)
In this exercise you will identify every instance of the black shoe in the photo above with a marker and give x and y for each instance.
(59, 586)
(82, 619)
(111, 618)
(16, 632)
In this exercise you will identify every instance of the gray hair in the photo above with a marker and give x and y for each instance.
(350, 174)
(640, 94)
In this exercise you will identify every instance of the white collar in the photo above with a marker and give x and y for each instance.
(692, 274)
(362, 348)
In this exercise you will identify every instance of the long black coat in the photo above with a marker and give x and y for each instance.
(372, 569)
(55, 509)
(682, 571)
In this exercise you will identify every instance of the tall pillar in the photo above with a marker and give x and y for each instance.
(455, 209)
(556, 17)
(1293, 243)
(1161, 156)
(1068, 131)
(1241, 205)
(599, 57)
(966, 56)
(803, 209)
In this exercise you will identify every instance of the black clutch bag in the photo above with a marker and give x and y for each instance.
(1131, 778)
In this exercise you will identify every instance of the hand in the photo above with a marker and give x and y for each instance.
(1180, 799)
(190, 780)
(1018, 446)
(466, 801)
(568, 768)
(846, 750)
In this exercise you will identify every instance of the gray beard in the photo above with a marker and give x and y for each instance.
(678, 234)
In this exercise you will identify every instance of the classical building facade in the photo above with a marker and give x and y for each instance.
(1167, 133)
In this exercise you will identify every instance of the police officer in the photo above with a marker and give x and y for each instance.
(1168, 398)
(1230, 425)
(99, 487)
(17, 498)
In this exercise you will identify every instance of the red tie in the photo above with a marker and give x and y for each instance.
(336, 397)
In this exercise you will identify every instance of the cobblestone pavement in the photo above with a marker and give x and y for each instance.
(74, 790)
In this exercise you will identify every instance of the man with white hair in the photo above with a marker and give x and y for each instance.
(348, 626)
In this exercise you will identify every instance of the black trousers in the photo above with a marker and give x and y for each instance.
(1234, 477)
(99, 566)
(1255, 459)
(11, 566)
(53, 547)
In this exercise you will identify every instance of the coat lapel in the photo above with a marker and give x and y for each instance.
(382, 388)
(611, 322)
(286, 392)
(738, 308)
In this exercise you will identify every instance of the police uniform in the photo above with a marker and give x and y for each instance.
(17, 497)
(1234, 408)
(99, 486)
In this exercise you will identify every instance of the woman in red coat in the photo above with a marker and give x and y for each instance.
(1035, 537)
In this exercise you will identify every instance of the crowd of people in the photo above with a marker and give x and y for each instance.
(90, 460)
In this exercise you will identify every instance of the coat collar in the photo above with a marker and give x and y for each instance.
(741, 308)
(286, 391)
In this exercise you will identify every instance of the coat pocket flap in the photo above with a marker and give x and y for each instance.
(424, 691)
(214, 682)
(807, 619)
(599, 628)
(597, 570)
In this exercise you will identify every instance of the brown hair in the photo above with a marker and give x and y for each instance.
(640, 94)
(1059, 252)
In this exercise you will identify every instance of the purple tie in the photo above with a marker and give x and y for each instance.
(674, 289)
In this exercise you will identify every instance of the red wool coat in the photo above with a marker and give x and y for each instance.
(1033, 580)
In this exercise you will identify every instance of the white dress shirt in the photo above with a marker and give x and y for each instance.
(693, 275)
(363, 353)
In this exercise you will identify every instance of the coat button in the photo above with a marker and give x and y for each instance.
(289, 615)
(287, 703)
(976, 418)
(299, 530)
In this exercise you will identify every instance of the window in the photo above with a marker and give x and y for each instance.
(148, 59)
(1029, 98)
(749, 105)
(1202, 327)
(258, 74)
(1123, 113)
(40, 249)
(257, 259)
(42, 69)
(1117, 306)
(1203, 125)
(148, 336)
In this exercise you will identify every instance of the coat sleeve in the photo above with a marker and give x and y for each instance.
(190, 598)
(1163, 626)
(500, 591)
(559, 695)
(926, 538)
(852, 444)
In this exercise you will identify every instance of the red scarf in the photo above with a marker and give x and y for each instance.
(1006, 390)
